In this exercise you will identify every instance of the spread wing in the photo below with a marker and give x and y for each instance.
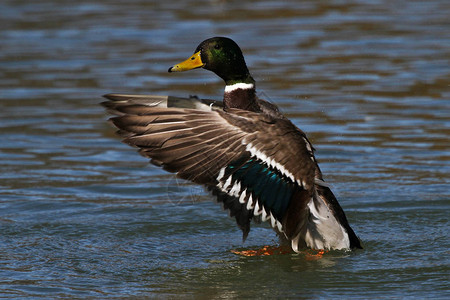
(256, 165)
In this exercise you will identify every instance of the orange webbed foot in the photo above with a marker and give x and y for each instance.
(264, 251)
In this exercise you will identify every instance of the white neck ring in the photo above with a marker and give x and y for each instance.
(240, 85)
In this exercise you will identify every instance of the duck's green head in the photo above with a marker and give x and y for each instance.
(220, 55)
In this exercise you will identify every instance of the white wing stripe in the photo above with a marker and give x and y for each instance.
(261, 156)
(242, 197)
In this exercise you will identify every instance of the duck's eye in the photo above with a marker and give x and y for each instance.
(217, 46)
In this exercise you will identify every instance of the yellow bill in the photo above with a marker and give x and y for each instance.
(192, 62)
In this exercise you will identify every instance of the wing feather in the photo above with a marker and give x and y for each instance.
(268, 156)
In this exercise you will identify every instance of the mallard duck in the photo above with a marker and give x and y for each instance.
(252, 158)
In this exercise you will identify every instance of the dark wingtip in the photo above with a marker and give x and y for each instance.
(110, 96)
(104, 103)
(245, 234)
(356, 243)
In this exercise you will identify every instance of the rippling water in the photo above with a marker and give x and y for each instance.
(83, 215)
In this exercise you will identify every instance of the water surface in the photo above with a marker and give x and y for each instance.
(83, 215)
